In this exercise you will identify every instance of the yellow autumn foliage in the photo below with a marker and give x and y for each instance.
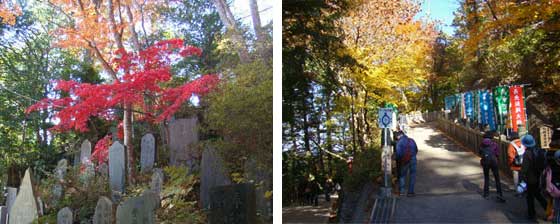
(391, 47)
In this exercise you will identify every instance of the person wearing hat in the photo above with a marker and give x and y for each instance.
(489, 154)
(531, 170)
(515, 157)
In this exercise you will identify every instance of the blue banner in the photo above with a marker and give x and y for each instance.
(487, 109)
(469, 106)
(451, 102)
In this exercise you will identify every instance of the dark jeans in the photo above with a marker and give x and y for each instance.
(533, 193)
(496, 173)
(407, 169)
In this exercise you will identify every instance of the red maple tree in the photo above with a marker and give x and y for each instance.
(144, 74)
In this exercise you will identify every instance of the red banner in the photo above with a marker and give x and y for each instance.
(517, 107)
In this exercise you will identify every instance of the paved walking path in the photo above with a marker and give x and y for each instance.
(449, 187)
(308, 214)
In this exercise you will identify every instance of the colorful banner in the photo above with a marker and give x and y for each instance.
(469, 106)
(462, 106)
(477, 111)
(501, 100)
(487, 109)
(451, 102)
(518, 115)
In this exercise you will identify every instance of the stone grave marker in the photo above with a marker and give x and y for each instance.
(263, 176)
(64, 216)
(24, 210)
(116, 168)
(77, 161)
(103, 211)
(12, 193)
(61, 168)
(232, 204)
(137, 210)
(157, 181)
(212, 174)
(148, 152)
(85, 152)
(183, 135)
(40, 208)
(3, 214)
(59, 172)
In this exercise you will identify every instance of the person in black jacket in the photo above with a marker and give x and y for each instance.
(531, 170)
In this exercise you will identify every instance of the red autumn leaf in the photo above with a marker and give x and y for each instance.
(144, 74)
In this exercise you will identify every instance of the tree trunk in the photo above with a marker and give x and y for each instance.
(127, 128)
(227, 18)
(328, 132)
(352, 122)
(258, 28)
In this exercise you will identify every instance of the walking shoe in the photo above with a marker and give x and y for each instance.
(411, 194)
(402, 194)
(485, 196)
(501, 199)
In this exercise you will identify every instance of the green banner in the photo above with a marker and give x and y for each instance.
(501, 102)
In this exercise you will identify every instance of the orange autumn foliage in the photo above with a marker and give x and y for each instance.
(103, 26)
(9, 13)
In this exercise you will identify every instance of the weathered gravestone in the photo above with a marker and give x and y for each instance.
(183, 135)
(85, 152)
(232, 204)
(40, 206)
(212, 174)
(157, 181)
(103, 211)
(116, 169)
(64, 216)
(24, 210)
(77, 161)
(137, 210)
(12, 193)
(263, 176)
(148, 152)
(59, 172)
(3, 214)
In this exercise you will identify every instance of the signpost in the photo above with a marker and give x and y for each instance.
(386, 118)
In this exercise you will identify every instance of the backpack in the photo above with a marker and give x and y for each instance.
(487, 156)
(551, 188)
(407, 154)
(519, 151)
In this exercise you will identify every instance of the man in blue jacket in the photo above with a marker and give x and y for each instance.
(406, 159)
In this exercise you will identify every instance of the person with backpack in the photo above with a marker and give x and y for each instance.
(552, 174)
(406, 158)
(515, 157)
(531, 169)
(552, 184)
(489, 154)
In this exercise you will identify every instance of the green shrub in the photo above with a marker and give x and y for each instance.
(366, 167)
(81, 197)
(180, 198)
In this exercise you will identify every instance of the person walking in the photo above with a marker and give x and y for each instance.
(553, 181)
(489, 154)
(515, 157)
(406, 157)
(531, 170)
